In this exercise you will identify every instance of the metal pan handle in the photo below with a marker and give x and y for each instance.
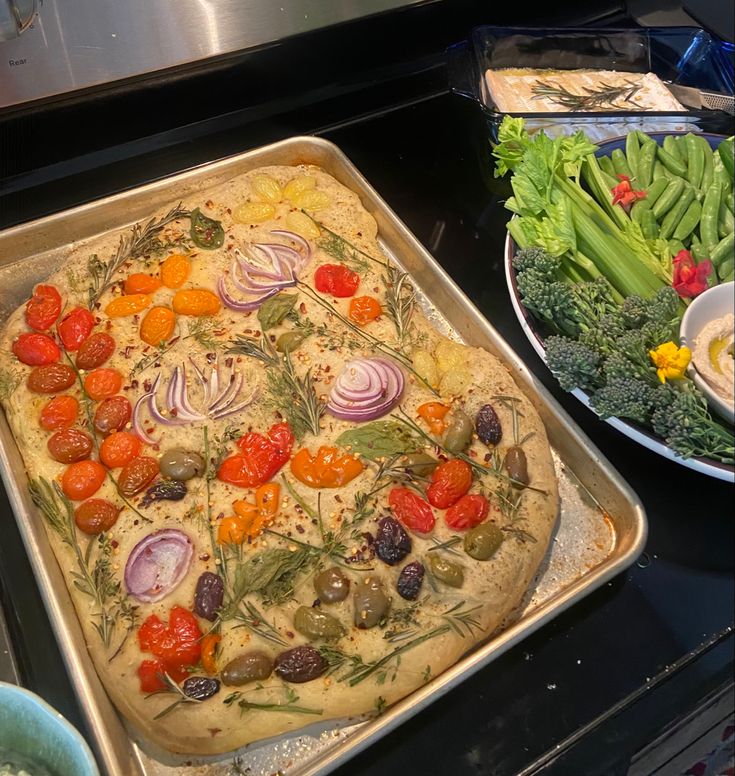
(461, 71)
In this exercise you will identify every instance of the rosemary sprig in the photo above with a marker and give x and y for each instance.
(446, 546)
(209, 474)
(341, 248)
(201, 330)
(293, 395)
(400, 301)
(289, 703)
(605, 95)
(93, 579)
(462, 621)
(250, 618)
(174, 689)
(135, 243)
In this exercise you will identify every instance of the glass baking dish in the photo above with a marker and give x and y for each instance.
(686, 56)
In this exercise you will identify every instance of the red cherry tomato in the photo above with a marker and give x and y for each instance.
(468, 512)
(43, 308)
(137, 474)
(59, 412)
(336, 279)
(449, 482)
(50, 378)
(102, 383)
(95, 350)
(411, 510)
(75, 327)
(260, 459)
(82, 480)
(96, 515)
(112, 414)
(69, 445)
(150, 673)
(36, 349)
(118, 449)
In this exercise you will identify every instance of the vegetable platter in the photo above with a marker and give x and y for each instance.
(596, 537)
(607, 247)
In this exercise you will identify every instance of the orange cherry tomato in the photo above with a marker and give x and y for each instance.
(433, 413)
(157, 326)
(96, 515)
(130, 304)
(329, 468)
(119, 448)
(82, 480)
(175, 271)
(43, 308)
(140, 283)
(232, 530)
(196, 301)
(252, 518)
(59, 412)
(75, 327)
(209, 652)
(364, 309)
(36, 349)
(102, 383)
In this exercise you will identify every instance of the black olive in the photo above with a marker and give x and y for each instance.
(168, 490)
(392, 543)
(201, 687)
(300, 664)
(208, 596)
(487, 425)
(410, 580)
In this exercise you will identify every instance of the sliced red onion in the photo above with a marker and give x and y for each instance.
(367, 388)
(157, 564)
(228, 393)
(241, 307)
(137, 423)
(299, 240)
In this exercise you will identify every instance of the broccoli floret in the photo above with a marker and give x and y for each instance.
(551, 301)
(536, 259)
(665, 307)
(635, 311)
(574, 364)
(682, 418)
(625, 397)
(656, 332)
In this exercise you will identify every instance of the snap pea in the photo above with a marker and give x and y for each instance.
(725, 150)
(671, 148)
(655, 190)
(729, 201)
(695, 160)
(645, 164)
(672, 164)
(620, 163)
(606, 163)
(724, 249)
(639, 207)
(725, 221)
(675, 214)
(610, 180)
(649, 225)
(689, 221)
(720, 173)
(676, 246)
(710, 214)
(698, 251)
(709, 166)
(669, 198)
(632, 152)
(681, 145)
(659, 171)
(726, 270)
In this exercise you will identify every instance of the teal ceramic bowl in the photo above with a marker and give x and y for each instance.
(30, 727)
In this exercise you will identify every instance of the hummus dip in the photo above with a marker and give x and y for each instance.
(712, 356)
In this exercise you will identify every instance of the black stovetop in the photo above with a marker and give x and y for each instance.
(588, 690)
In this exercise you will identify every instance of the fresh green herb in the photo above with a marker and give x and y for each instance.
(379, 439)
(201, 330)
(206, 232)
(603, 96)
(136, 243)
(342, 249)
(446, 546)
(9, 381)
(172, 688)
(380, 705)
(250, 618)
(274, 310)
(288, 705)
(462, 621)
(400, 301)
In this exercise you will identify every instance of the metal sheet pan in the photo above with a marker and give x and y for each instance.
(601, 530)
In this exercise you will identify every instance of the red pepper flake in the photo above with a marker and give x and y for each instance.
(204, 556)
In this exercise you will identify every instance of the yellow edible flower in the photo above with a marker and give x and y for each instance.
(670, 360)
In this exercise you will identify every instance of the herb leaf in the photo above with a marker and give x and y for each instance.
(206, 232)
(380, 439)
(275, 309)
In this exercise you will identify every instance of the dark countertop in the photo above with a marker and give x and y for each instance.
(588, 690)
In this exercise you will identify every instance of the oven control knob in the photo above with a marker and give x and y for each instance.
(16, 16)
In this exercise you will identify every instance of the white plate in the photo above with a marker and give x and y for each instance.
(646, 438)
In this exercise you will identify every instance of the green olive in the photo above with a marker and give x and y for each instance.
(517, 466)
(458, 435)
(371, 602)
(247, 667)
(290, 340)
(331, 586)
(483, 541)
(419, 464)
(445, 571)
(179, 464)
(316, 624)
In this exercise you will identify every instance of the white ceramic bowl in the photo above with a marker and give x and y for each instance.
(714, 303)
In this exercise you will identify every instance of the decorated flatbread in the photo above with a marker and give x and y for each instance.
(276, 493)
